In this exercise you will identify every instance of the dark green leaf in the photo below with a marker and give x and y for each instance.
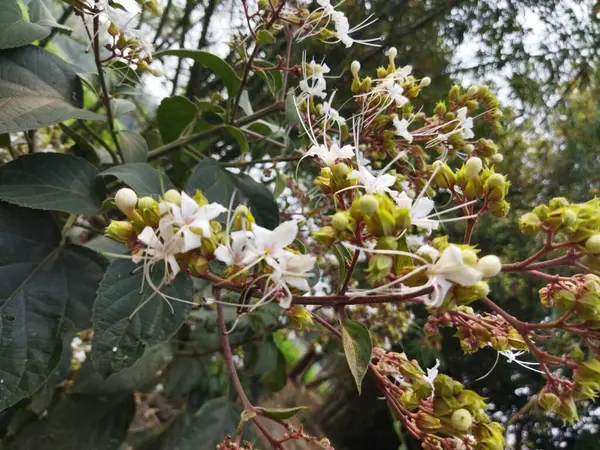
(38, 89)
(270, 366)
(210, 425)
(174, 115)
(213, 62)
(80, 422)
(121, 106)
(183, 375)
(46, 290)
(357, 347)
(82, 147)
(122, 334)
(219, 184)
(54, 182)
(142, 178)
(133, 146)
(15, 31)
(282, 413)
(239, 137)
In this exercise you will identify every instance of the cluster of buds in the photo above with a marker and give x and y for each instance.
(440, 409)
(579, 295)
(229, 444)
(580, 222)
(476, 331)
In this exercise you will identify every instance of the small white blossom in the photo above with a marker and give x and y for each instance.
(292, 270)
(329, 156)
(420, 210)
(373, 184)
(234, 251)
(270, 244)
(402, 129)
(431, 375)
(465, 123)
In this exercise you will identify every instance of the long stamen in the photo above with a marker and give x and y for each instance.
(387, 252)
(392, 283)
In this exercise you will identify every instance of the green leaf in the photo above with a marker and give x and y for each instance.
(41, 15)
(120, 339)
(133, 146)
(219, 184)
(239, 137)
(47, 291)
(15, 31)
(174, 115)
(142, 178)
(210, 424)
(80, 422)
(265, 37)
(344, 257)
(38, 89)
(291, 112)
(282, 413)
(280, 184)
(121, 106)
(357, 347)
(83, 148)
(52, 181)
(213, 62)
(270, 366)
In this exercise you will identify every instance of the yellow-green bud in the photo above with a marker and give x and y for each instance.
(568, 411)
(147, 203)
(568, 217)
(440, 109)
(497, 158)
(489, 266)
(113, 30)
(427, 422)
(341, 170)
(469, 257)
(557, 203)
(354, 68)
(461, 419)
(120, 231)
(173, 196)
(469, 148)
(499, 209)
(592, 245)
(299, 317)
(530, 223)
(198, 265)
(549, 401)
(454, 94)
(464, 295)
(426, 81)
(340, 221)
(325, 235)
(495, 180)
(472, 91)
(473, 166)
(368, 204)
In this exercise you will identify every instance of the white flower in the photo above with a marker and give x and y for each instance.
(332, 114)
(373, 184)
(330, 155)
(343, 31)
(466, 123)
(402, 129)
(192, 217)
(160, 247)
(314, 84)
(512, 358)
(270, 243)
(234, 251)
(291, 270)
(393, 90)
(450, 268)
(431, 376)
(420, 210)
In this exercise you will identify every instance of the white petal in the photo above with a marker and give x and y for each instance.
(465, 275)
(298, 283)
(440, 288)
(284, 234)
(174, 266)
(190, 240)
(148, 237)
(188, 207)
(223, 254)
(422, 208)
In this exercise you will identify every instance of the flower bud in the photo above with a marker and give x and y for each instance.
(147, 203)
(113, 30)
(368, 204)
(568, 217)
(473, 166)
(549, 401)
(469, 257)
(354, 68)
(464, 295)
(392, 53)
(496, 180)
(379, 268)
(444, 176)
(173, 196)
(325, 236)
(469, 148)
(489, 266)
(568, 411)
(427, 422)
(530, 223)
(454, 94)
(472, 91)
(126, 200)
(198, 265)
(557, 203)
(461, 419)
(497, 158)
(299, 317)
(440, 109)
(426, 81)
(592, 245)
(121, 231)
(340, 221)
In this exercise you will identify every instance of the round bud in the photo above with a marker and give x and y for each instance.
(341, 170)
(489, 266)
(368, 204)
(326, 172)
(568, 217)
(146, 203)
(469, 148)
(242, 210)
(549, 401)
(472, 91)
(113, 30)
(354, 68)
(473, 166)
(497, 158)
(392, 53)
(425, 82)
(495, 180)
(592, 245)
(461, 419)
(126, 200)
(340, 221)
(469, 257)
(481, 289)
(173, 196)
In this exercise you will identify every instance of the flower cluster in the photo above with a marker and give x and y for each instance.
(434, 406)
